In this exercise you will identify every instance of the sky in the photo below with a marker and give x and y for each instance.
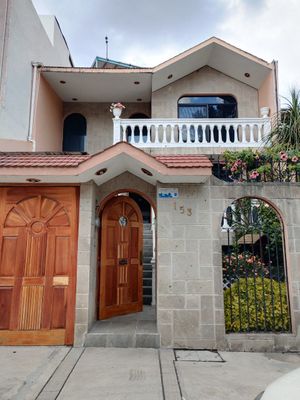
(147, 32)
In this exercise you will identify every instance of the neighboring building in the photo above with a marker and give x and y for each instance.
(105, 216)
(25, 38)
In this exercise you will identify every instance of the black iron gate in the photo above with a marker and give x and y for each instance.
(254, 268)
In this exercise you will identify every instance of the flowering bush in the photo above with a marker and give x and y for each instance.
(270, 164)
(242, 265)
(116, 105)
(256, 305)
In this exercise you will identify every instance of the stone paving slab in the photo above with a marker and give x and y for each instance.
(25, 370)
(115, 374)
(241, 376)
(198, 355)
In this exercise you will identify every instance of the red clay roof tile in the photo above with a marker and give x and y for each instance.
(63, 160)
(185, 161)
(57, 160)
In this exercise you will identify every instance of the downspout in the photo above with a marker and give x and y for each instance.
(275, 63)
(35, 66)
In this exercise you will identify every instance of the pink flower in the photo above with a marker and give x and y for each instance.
(233, 168)
(254, 175)
(295, 159)
(238, 162)
(283, 156)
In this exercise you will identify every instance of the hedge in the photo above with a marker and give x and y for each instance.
(244, 306)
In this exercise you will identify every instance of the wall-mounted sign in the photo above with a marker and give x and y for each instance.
(168, 193)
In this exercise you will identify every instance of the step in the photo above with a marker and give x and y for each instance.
(147, 300)
(143, 334)
(139, 340)
(147, 278)
(147, 291)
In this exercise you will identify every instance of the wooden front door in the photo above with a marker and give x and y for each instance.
(121, 264)
(38, 241)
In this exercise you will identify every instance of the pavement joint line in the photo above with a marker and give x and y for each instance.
(52, 374)
(161, 376)
(177, 377)
(170, 383)
(57, 393)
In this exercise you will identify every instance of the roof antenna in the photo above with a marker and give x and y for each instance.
(106, 44)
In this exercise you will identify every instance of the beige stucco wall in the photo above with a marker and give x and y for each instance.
(204, 81)
(267, 93)
(99, 121)
(15, 145)
(48, 120)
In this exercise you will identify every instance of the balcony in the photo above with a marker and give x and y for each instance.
(202, 133)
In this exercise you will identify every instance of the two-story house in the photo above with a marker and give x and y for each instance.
(113, 227)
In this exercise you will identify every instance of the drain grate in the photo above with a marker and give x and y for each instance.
(198, 356)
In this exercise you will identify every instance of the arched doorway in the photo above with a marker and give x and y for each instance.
(254, 268)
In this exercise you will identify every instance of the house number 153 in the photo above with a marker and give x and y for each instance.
(183, 210)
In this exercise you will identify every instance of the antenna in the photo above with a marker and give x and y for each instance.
(106, 44)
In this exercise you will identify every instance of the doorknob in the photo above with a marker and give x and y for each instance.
(123, 261)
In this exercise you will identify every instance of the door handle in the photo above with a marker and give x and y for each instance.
(123, 261)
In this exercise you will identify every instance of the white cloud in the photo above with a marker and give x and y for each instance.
(146, 33)
(270, 31)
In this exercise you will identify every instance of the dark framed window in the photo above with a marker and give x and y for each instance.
(74, 132)
(207, 107)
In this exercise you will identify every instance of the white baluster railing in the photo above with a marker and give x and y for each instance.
(161, 133)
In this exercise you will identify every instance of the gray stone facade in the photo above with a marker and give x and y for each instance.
(190, 311)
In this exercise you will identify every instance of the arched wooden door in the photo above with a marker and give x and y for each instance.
(121, 265)
(38, 241)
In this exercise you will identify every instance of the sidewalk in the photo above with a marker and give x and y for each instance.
(49, 373)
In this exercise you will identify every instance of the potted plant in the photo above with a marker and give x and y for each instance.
(116, 109)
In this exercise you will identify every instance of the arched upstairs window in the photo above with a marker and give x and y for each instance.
(207, 107)
(74, 133)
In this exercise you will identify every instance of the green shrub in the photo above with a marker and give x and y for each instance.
(244, 306)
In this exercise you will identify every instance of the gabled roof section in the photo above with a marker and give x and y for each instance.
(217, 54)
(121, 157)
(116, 81)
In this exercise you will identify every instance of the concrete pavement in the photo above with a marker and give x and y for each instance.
(49, 373)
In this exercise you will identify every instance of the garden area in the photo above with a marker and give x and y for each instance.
(254, 272)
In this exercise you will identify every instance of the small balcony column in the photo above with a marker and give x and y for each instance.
(117, 130)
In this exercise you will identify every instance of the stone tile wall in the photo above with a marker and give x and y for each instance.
(190, 293)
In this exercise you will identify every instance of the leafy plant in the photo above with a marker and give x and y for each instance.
(256, 304)
(268, 165)
(286, 125)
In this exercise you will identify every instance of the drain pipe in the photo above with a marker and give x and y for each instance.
(35, 66)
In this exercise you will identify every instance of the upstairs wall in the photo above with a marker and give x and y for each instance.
(99, 121)
(205, 81)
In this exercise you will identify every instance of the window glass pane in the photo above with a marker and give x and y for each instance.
(207, 100)
(192, 111)
(207, 107)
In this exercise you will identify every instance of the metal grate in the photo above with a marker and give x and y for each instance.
(254, 270)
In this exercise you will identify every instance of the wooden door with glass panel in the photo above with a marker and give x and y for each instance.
(121, 269)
